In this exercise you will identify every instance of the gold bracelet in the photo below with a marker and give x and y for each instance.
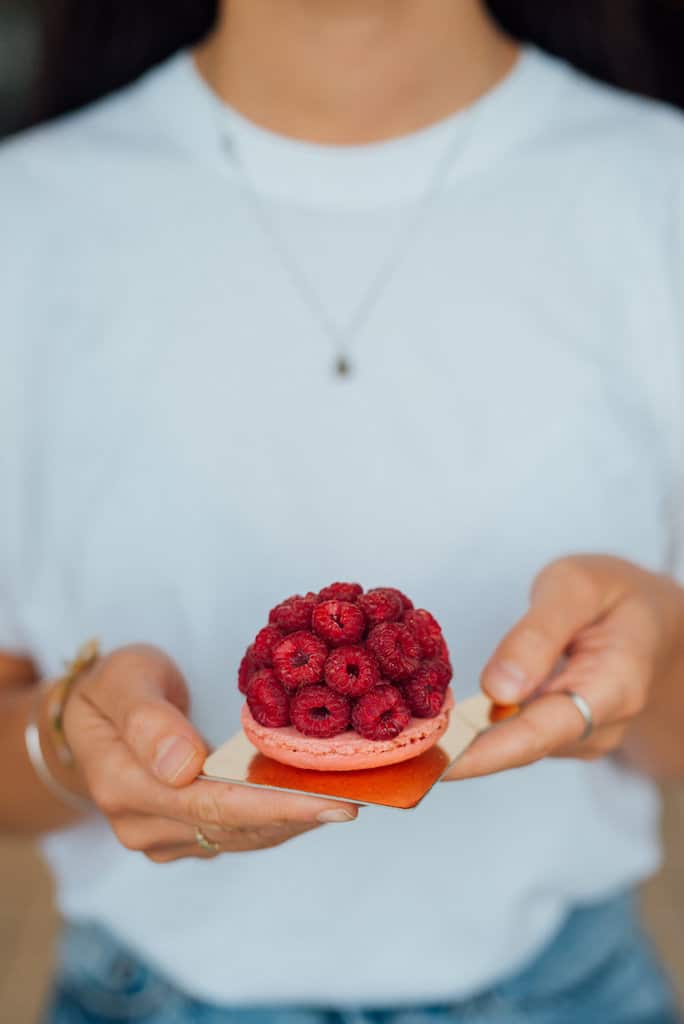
(59, 695)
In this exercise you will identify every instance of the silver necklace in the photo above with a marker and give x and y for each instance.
(343, 337)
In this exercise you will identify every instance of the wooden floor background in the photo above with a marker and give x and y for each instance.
(28, 925)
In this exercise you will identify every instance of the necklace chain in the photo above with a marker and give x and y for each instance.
(343, 337)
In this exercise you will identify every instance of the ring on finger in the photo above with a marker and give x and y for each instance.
(584, 710)
(205, 844)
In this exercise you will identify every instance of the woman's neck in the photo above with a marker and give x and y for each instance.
(353, 71)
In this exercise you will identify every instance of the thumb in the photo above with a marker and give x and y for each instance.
(567, 596)
(164, 741)
(144, 694)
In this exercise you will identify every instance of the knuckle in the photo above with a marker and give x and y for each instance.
(602, 747)
(573, 576)
(649, 620)
(112, 667)
(255, 838)
(252, 839)
(604, 742)
(157, 857)
(534, 639)
(209, 810)
(591, 754)
(266, 839)
(144, 661)
(273, 843)
(128, 837)
(136, 719)
(134, 656)
(637, 644)
(147, 719)
(106, 796)
(634, 700)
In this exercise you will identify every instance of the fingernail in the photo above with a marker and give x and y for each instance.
(173, 755)
(505, 682)
(329, 817)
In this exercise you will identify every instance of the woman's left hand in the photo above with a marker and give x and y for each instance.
(597, 626)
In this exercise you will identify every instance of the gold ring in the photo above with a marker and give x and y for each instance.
(204, 843)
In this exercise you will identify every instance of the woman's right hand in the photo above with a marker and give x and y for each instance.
(138, 757)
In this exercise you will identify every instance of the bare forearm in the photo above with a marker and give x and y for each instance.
(655, 743)
(16, 671)
(26, 804)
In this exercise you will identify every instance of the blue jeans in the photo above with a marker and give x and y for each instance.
(599, 969)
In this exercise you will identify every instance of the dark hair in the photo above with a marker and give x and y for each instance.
(92, 47)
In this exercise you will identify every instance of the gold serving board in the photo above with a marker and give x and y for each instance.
(402, 786)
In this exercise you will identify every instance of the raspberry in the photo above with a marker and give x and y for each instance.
(266, 640)
(343, 659)
(293, 614)
(424, 691)
(352, 671)
(320, 711)
(341, 592)
(381, 714)
(267, 700)
(442, 666)
(338, 622)
(443, 653)
(406, 602)
(428, 631)
(298, 660)
(248, 666)
(396, 649)
(381, 605)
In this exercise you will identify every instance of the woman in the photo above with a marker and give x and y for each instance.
(357, 289)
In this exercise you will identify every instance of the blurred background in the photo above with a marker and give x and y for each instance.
(17, 59)
(27, 920)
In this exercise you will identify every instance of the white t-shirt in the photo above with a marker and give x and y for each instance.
(177, 456)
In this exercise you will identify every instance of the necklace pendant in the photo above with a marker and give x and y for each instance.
(342, 367)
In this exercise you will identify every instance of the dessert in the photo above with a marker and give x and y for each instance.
(344, 680)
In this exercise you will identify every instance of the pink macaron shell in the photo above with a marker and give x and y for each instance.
(348, 751)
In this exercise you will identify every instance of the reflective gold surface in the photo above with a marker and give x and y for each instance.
(401, 785)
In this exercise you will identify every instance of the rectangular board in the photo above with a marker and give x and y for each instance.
(402, 786)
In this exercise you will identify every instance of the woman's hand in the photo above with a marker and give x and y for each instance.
(608, 631)
(138, 756)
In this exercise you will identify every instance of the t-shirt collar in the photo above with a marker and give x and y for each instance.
(393, 171)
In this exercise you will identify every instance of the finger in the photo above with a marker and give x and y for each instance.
(133, 691)
(613, 681)
(223, 805)
(185, 851)
(608, 679)
(237, 842)
(121, 787)
(545, 725)
(146, 834)
(566, 597)
(152, 835)
(611, 666)
(116, 781)
(142, 692)
(601, 743)
(164, 742)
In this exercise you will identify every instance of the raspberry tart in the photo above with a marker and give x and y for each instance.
(346, 679)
